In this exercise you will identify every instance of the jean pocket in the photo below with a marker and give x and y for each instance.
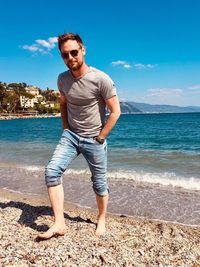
(96, 142)
(99, 144)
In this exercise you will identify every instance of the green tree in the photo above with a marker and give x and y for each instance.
(56, 108)
(50, 95)
(41, 108)
(16, 90)
(3, 96)
(12, 101)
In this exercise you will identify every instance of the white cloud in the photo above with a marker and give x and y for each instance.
(31, 48)
(41, 46)
(53, 39)
(169, 96)
(119, 62)
(126, 65)
(144, 66)
(50, 44)
(165, 96)
(161, 92)
(139, 66)
(194, 87)
(151, 66)
(43, 43)
(123, 63)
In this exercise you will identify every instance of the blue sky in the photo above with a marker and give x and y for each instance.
(150, 48)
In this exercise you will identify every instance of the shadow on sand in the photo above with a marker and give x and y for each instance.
(31, 213)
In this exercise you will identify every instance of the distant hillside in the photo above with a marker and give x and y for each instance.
(126, 107)
(133, 107)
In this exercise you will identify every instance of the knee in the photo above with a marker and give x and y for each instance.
(100, 187)
(52, 175)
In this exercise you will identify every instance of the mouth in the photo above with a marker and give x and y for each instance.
(72, 62)
(73, 65)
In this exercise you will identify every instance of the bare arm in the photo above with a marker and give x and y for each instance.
(114, 108)
(63, 110)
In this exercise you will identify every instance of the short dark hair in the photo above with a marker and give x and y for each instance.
(69, 36)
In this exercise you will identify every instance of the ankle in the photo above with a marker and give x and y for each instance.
(59, 222)
(101, 217)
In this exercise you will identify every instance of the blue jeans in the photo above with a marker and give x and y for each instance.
(69, 147)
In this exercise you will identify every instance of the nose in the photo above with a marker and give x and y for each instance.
(70, 56)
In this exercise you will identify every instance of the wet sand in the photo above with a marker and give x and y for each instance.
(129, 198)
(129, 241)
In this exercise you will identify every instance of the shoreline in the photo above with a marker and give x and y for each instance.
(129, 241)
(35, 199)
(58, 115)
(21, 116)
(127, 197)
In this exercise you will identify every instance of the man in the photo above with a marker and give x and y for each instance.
(85, 93)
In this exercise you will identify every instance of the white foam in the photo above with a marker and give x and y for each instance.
(166, 178)
(18, 192)
(32, 168)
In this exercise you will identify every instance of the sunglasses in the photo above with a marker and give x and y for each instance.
(73, 53)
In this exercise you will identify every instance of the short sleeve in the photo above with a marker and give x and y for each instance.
(59, 84)
(107, 87)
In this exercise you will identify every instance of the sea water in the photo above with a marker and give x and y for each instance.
(157, 151)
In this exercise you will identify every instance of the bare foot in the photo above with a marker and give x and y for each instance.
(53, 231)
(101, 227)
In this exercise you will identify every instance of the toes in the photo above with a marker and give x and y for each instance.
(46, 235)
(50, 233)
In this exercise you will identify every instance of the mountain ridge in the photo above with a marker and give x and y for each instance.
(129, 107)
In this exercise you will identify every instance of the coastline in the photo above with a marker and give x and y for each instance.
(21, 116)
(129, 241)
(54, 115)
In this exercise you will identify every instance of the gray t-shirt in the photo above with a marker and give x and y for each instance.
(85, 100)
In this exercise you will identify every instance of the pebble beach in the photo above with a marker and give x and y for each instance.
(154, 209)
(129, 241)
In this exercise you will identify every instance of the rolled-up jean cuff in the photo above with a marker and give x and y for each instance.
(102, 193)
(58, 181)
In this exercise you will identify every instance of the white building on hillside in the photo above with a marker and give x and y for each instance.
(32, 90)
(26, 102)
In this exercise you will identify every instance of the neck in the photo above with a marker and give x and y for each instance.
(80, 72)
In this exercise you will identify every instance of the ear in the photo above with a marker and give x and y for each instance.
(84, 50)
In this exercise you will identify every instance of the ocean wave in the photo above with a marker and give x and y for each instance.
(163, 179)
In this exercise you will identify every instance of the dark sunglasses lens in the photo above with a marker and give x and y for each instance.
(65, 55)
(74, 53)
